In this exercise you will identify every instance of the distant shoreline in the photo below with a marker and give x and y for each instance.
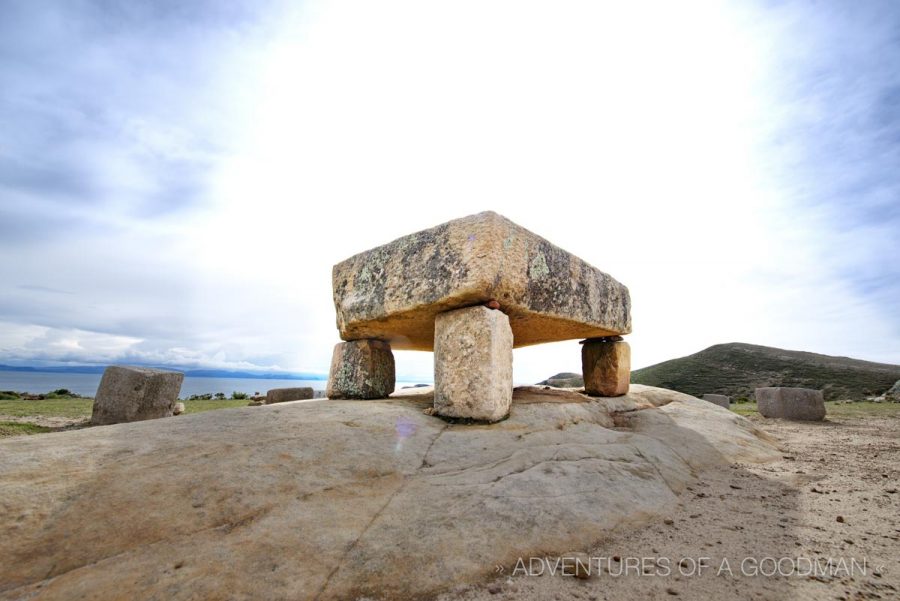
(85, 384)
(188, 372)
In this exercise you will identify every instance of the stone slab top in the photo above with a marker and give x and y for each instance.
(395, 291)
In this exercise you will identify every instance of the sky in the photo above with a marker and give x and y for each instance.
(178, 178)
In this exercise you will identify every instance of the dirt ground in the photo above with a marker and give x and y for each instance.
(832, 497)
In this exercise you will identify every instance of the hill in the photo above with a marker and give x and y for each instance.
(736, 369)
(566, 379)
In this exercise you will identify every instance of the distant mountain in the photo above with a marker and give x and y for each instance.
(193, 373)
(565, 379)
(736, 369)
(66, 369)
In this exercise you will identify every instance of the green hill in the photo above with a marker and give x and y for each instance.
(736, 369)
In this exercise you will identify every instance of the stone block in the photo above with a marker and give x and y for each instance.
(282, 395)
(606, 366)
(718, 399)
(791, 403)
(130, 394)
(361, 369)
(396, 291)
(473, 364)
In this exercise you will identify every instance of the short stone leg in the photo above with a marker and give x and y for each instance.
(606, 366)
(473, 364)
(361, 369)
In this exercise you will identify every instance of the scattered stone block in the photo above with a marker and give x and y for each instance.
(473, 364)
(396, 291)
(130, 394)
(606, 366)
(178, 409)
(282, 395)
(361, 369)
(718, 399)
(791, 403)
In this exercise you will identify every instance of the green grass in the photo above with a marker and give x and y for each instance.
(744, 408)
(16, 429)
(213, 404)
(862, 409)
(47, 408)
(837, 409)
(82, 407)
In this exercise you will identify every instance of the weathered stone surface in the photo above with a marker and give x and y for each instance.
(342, 499)
(178, 409)
(281, 395)
(473, 364)
(606, 365)
(718, 399)
(791, 403)
(130, 394)
(394, 292)
(578, 565)
(361, 369)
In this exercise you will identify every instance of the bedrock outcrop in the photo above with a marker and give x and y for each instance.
(340, 499)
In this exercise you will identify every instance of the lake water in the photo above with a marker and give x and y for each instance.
(86, 384)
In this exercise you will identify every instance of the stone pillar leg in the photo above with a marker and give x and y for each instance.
(606, 366)
(361, 369)
(473, 364)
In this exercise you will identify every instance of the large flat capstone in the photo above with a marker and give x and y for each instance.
(394, 292)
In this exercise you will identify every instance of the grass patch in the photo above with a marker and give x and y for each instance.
(836, 409)
(745, 408)
(199, 406)
(16, 429)
(81, 408)
(862, 409)
(48, 408)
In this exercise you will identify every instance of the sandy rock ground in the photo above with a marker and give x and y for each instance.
(49, 421)
(832, 496)
(344, 499)
(379, 489)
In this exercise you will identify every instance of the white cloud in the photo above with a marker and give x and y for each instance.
(641, 144)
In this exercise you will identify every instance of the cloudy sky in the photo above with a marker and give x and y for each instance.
(177, 178)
